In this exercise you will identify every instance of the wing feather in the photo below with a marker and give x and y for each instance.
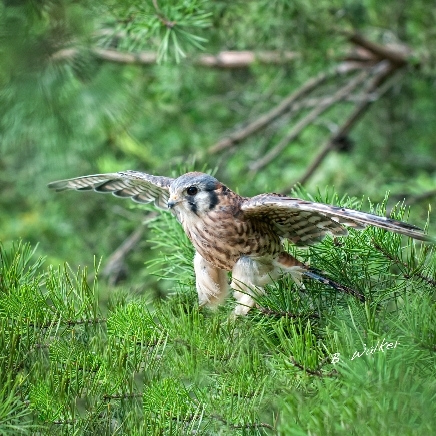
(140, 187)
(305, 222)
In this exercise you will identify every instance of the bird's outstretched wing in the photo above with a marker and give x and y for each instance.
(140, 187)
(305, 222)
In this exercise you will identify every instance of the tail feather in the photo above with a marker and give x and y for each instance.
(316, 275)
(293, 266)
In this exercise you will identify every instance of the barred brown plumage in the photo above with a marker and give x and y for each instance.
(238, 234)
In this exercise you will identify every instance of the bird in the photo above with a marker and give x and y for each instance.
(241, 235)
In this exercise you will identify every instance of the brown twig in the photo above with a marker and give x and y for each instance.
(271, 115)
(316, 372)
(325, 104)
(385, 70)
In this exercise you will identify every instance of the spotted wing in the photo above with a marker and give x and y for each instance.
(140, 187)
(305, 223)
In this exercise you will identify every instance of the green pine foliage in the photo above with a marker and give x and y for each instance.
(65, 111)
(80, 357)
(308, 360)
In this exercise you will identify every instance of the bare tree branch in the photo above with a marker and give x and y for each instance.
(143, 57)
(397, 55)
(224, 59)
(241, 59)
(421, 197)
(274, 113)
(323, 105)
(115, 263)
(385, 70)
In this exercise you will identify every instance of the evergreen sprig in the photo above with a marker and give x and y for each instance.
(306, 360)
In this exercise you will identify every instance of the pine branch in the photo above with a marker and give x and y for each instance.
(96, 365)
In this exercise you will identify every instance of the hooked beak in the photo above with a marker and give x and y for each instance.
(173, 200)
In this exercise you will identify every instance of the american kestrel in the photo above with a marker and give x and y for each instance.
(238, 234)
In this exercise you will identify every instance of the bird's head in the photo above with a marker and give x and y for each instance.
(194, 193)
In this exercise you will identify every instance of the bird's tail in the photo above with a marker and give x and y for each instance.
(297, 269)
(317, 275)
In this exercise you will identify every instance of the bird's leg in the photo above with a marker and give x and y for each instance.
(289, 264)
(212, 287)
(249, 276)
(243, 294)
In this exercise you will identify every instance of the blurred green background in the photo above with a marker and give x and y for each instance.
(68, 110)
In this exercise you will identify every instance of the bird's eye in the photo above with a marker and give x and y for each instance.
(192, 190)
